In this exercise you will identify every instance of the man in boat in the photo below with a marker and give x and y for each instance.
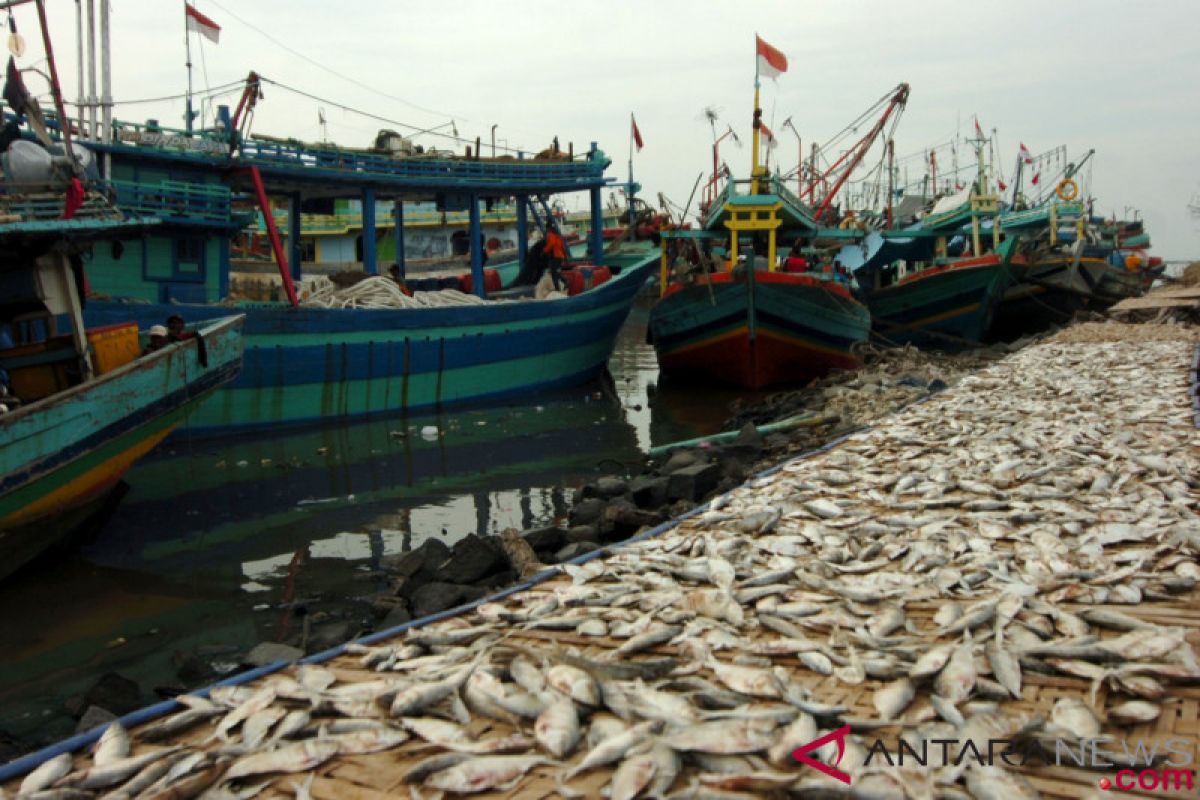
(795, 261)
(555, 252)
(531, 270)
(158, 339)
(177, 329)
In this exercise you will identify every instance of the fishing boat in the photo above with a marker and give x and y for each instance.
(751, 325)
(306, 364)
(939, 281)
(755, 328)
(1075, 263)
(78, 409)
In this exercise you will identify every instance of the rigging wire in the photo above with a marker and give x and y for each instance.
(334, 72)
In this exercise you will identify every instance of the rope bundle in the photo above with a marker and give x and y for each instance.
(378, 292)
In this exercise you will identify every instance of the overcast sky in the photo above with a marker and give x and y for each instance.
(1118, 77)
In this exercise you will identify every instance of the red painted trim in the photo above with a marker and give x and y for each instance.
(985, 260)
(777, 278)
(769, 360)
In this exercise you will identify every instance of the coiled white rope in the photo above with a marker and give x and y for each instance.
(377, 291)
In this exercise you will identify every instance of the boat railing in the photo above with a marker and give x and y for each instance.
(38, 203)
(177, 201)
(530, 171)
(344, 222)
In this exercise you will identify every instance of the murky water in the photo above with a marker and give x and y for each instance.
(218, 543)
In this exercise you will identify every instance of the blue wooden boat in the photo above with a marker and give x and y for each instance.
(758, 328)
(79, 409)
(304, 365)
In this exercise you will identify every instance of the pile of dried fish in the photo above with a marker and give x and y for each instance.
(913, 584)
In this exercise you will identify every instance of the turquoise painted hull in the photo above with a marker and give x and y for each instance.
(306, 365)
(771, 331)
(63, 454)
(951, 308)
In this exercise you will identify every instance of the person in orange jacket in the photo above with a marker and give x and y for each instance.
(555, 253)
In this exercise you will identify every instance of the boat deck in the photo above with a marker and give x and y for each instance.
(1049, 500)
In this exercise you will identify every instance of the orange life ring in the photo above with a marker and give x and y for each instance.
(1067, 190)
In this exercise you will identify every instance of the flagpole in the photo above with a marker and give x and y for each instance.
(630, 192)
(187, 43)
(755, 127)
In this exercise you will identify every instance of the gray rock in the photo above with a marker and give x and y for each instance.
(473, 557)
(587, 512)
(269, 652)
(574, 550)
(331, 634)
(622, 518)
(582, 533)
(680, 459)
(545, 539)
(94, 717)
(404, 565)
(192, 669)
(648, 491)
(437, 596)
(692, 483)
(747, 445)
(609, 487)
(114, 692)
(420, 563)
(397, 616)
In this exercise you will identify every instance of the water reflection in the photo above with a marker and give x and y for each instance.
(218, 542)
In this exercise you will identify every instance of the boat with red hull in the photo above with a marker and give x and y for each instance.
(755, 329)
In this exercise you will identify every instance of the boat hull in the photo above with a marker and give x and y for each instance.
(61, 456)
(1049, 292)
(949, 307)
(305, 365)
(774, 329)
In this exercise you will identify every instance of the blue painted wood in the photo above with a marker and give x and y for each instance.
(398, 213)
(596, 249)
(369, 258)
(475, 238)
(522, 228)
(295, 250)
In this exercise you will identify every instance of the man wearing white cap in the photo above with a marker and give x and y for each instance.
(158, 338)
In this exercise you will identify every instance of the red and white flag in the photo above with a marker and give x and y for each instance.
(1028, 159)
(978, 130)
(201, 24)
(771, 62)
(766, 132)
(637, 135)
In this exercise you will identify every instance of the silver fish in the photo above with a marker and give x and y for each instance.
(557, 728)
(957, 678)
(1134, 712)
(483, 773)
(113, 745)
(46, 774)
(891, 699)
(298, 757)
(614, 747)
(1005, 666)
(632, 775)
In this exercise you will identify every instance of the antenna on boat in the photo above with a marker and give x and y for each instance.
(187, 43)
